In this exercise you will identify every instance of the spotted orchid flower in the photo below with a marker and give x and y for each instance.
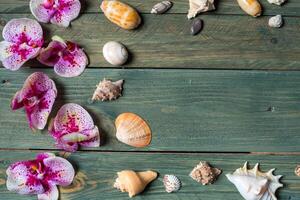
(68, 58)
(59, 12)
(37, 97)
(23, 39)
(40, 176)
(73, 127)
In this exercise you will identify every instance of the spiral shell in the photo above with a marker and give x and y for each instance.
(121, 14)
(133, 130)
(171, 183)
(115, 53)
(108, 90)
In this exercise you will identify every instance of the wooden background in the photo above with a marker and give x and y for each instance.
(228, 95)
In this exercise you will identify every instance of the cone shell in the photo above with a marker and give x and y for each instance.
(251, 7)
(133, 130)
(121, 14)
(134, 182)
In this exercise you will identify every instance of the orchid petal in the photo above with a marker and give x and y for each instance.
(51, 55)
(42, 10)
(51, 194)
(93, 138)
(20, 179)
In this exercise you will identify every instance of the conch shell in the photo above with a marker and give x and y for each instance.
(254, 184)
(121, 14)
(200, 6)
(134, 182)
(108, 90)
(204, 173)
(133, 130)
(251, 7)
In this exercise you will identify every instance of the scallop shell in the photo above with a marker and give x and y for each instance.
(297, 170)
(108, 90)
(161, 7)
(121, 14)
(171, 183)
(204, 173)
(251, 7)
(254, 184)
(115, 53)
(132, 130)
(134, 182)
(200, 6)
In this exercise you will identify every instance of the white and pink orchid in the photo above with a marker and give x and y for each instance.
(23, 39)
(59, 12)
(37, 97)
(40, 176)
(68, 58)
(73, 127)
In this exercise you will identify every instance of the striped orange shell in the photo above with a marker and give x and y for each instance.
(133, 130)
(121, 14)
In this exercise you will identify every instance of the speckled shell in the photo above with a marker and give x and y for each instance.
(251, 7)
(115, 53)
(161, 7)
(108, 90)
(204, 173)
(171, 183)
(132, 130)
(121, 14)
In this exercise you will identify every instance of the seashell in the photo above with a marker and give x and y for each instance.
(121, 14)
(134, 182)
(297, 170)
(204, 173)
(132, 130)
(251, 7)
(277, 2)
(276, 21)
(196, 26)
(108, 90)
(171, 183)
(115, 53)
(200, 6)
(254, 184)
(161, 7)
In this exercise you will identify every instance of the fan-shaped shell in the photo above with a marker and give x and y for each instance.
(133, 130)
(171, 183)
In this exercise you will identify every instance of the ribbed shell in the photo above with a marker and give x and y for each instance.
(171, 183)
(121, 14)
(133, 130)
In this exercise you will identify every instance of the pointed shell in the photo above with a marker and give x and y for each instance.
(204, 173)
(115, 53)
(134, 182)
(171, 183)
(121, 14)
(251, 7)
(108, 90)
(161, 7)
(199, 6)
(133, 130)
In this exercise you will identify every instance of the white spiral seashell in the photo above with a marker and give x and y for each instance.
(171, 183)
(115, 53)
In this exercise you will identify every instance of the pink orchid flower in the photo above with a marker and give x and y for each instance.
(68, 58)
(73, 126)
(59, 12)
(40, 176)
(23, 39)
(37, 97)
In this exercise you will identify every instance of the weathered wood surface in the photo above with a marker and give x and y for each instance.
(291, 8)
(227, 42)
(188, 110)
(96, 173)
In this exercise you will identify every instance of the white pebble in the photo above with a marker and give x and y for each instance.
(276, 21)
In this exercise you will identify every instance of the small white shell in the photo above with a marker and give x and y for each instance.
(277, 2)
(161, 7)
(276, 21)
(115, 53)
(171, 183)
(200, 6)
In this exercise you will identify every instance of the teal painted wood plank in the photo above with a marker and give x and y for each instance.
(226, 42)
(188, 110)
(96, 173)
(291, 8)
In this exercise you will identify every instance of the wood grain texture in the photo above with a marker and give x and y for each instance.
(291, 8)
(96, 173)
(227, 42)
(188, 110)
